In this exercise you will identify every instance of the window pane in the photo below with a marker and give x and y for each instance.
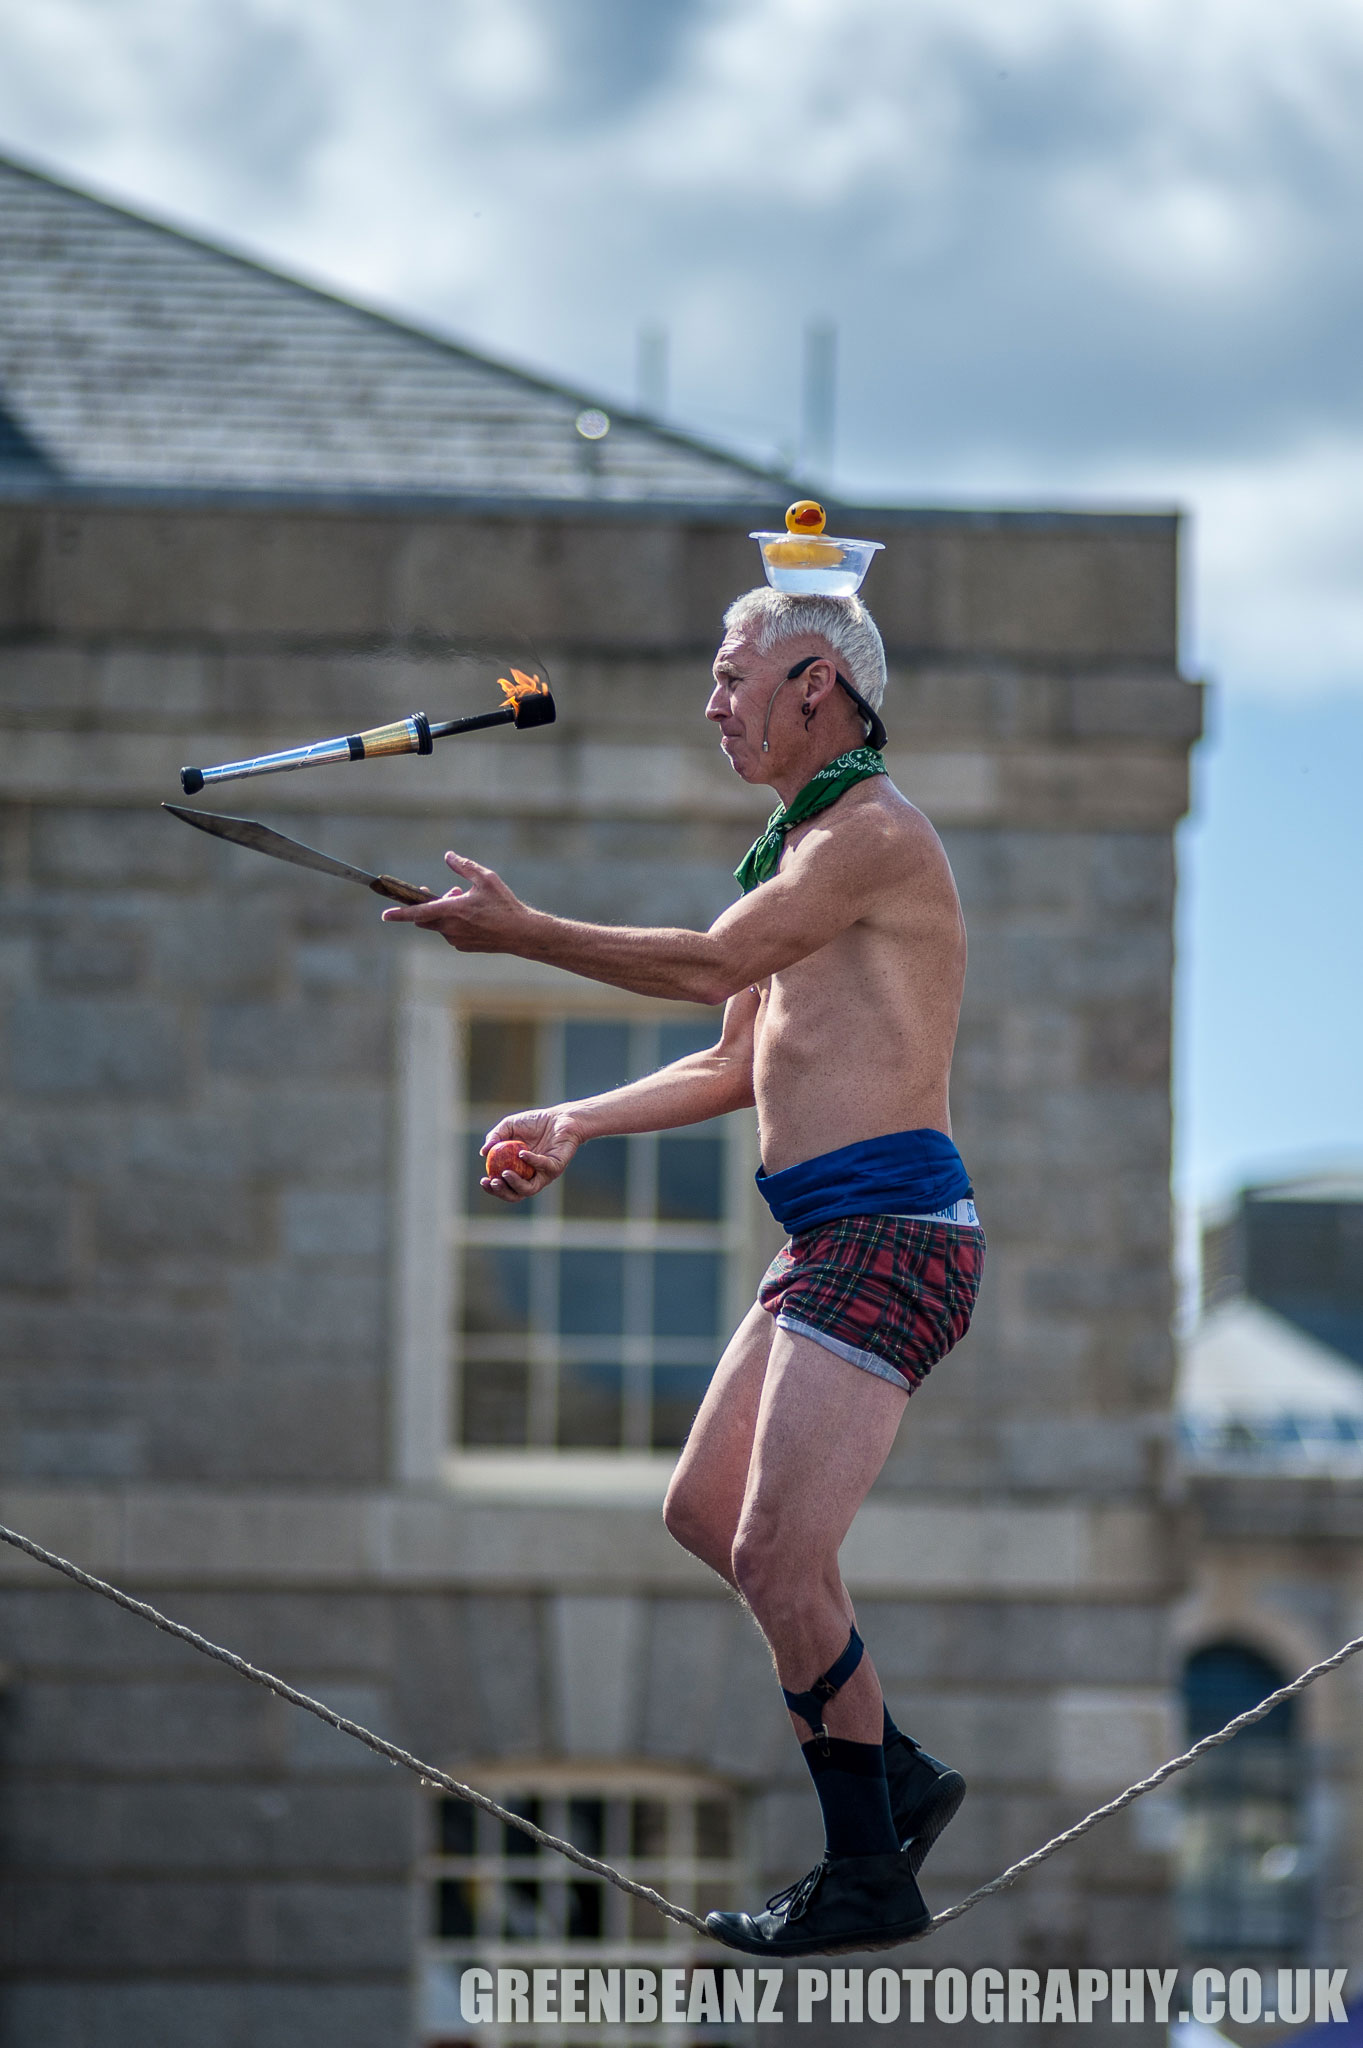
(675, 1041)
(521, 1917)
(591, 1293)
(502, 1061)
(496, 1289)
(514, 1843)
(455, 1830)
(589, 1409)
(453, 1909)
(690, 1180)
(678, 1391)
(585, 1917)
(686, 1294)
(648, 1828)
(714, 1836)
(587, 1825)
(496, 1404)
(595, 1057)
(594, 1185)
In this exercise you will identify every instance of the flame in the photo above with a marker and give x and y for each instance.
(520, 686)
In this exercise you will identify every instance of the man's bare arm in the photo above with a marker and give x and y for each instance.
(825, 884)
(689, 1091)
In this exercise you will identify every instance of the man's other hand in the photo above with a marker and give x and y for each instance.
(549, 1140)
(480, 916)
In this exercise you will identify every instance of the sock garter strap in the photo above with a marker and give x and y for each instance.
(810, 1705)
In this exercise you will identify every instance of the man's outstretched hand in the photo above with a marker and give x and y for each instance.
(548, 1140)
(480, 916)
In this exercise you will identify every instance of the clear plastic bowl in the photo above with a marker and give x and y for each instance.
(815, 565)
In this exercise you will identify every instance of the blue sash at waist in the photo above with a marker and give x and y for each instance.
(905, 1173)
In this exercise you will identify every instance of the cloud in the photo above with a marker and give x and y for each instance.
(1074, 249)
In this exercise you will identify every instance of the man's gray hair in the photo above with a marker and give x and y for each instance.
(770, 617)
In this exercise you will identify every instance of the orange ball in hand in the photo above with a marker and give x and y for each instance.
(506, 1158)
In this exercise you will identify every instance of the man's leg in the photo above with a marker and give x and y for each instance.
(824, 1429)
(705, 1498)
(703, 1509)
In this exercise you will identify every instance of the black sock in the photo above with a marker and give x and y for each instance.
(849, 1778)
(889, 1731)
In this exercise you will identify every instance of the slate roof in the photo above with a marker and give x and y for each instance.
(134, 357)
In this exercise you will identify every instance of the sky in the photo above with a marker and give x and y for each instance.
(1079, 252)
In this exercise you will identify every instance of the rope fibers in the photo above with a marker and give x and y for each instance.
(429, 1775)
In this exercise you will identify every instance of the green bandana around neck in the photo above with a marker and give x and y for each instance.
(763, 857)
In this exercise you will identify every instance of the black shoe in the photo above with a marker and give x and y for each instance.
(924, 1796)
(845, 1903)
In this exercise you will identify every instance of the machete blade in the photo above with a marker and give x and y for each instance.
(264, 839)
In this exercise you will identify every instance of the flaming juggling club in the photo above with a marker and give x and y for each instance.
(528, 703)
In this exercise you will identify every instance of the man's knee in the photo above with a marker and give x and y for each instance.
(690, 1520)
(762, 1568)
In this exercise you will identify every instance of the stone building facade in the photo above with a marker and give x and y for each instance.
(241, 1313)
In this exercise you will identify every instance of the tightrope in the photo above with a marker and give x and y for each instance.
(432, 1777)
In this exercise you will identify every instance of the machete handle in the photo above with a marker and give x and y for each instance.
(401, 892)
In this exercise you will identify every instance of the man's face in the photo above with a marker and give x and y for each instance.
(744, 682)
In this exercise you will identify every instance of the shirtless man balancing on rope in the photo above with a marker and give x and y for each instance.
(841, 968)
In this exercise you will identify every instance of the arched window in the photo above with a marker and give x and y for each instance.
(1244, 1882)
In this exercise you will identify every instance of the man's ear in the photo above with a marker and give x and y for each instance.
(819, 680)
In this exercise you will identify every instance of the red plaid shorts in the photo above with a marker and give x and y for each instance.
(891, 1294)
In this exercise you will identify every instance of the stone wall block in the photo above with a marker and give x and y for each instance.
(62, 1450)
(281, 692)
(223, 946)
(208, 1828)
(143, 1728)
(78, 952)
(350, 1928)
(154, 683)
(312, 1748)
(1013, 1643)
(298, 1041)
(84, 1047)
(120, 1924)
(684, 1668)
(35, 1237)
(1139, 704)
(215, 573)
(46, 682)
(1129, 1043)
(308, 1422)
(1070, 1453)
(96, 1338)
(330, 1318)
(507, 1685)
(1134, 873)
(140, 1216)
(116, 849)
(752, 1732)
(567, 582)
(992, 1739)
(59, 1628)
(595, 1665)
(229, 2014)
(298, 1128)
(431, 1667)
(1015, 591)
(335, 1224)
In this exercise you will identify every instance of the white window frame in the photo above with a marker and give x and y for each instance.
(430, 1105)
(665, 1945)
